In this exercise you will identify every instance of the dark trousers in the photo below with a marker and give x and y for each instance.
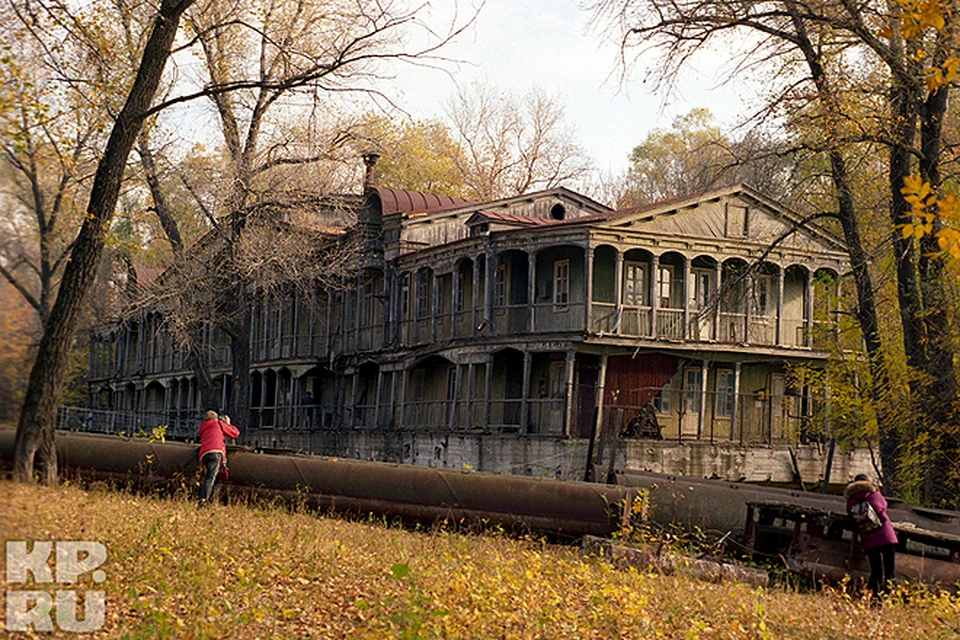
(881, 567)
(211, 465)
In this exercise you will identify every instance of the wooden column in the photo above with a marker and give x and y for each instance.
(475, 315)
(654, 294)
(717, 276)
(701, 417)
(617, 290)
(531, 289)
(471, 390)
(568, 393)
(687, 274)
(735, 418)
(780, 278)
(588, 288)
(525, 393)
(486, 393)
(808, 311)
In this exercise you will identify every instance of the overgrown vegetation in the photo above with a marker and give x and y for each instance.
(242, 571)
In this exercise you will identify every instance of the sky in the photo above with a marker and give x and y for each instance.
(517, 44)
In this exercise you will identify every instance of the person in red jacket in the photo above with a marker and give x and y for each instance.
(213, 450)
(880, 542)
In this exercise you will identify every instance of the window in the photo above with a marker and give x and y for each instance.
(558, 381)
(661, 401)
(423, 290)
(725, 393)
(461, 283)
(736, 221)
(664, 285)
(702, 289)
(500, 293)
(762, 295)
(561, 283)
(634, 279)
(692, 384)
(367, 311)
(405, 296)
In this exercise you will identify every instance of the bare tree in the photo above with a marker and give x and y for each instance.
(510, 145)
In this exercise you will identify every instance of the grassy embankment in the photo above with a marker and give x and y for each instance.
(257, 572)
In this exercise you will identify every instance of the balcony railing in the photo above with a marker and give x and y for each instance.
(670, 324)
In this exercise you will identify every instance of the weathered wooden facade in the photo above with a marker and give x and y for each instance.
(543, 316)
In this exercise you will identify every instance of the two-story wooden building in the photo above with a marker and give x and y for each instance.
(501, 334)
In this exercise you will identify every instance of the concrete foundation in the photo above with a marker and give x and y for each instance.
(734, 462)
(554, 457)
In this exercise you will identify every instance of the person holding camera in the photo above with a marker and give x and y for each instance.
(213, 432)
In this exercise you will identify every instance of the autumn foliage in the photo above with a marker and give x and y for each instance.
(258, 572)
(18, 332)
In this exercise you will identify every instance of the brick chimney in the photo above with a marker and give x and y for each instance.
(369, 160)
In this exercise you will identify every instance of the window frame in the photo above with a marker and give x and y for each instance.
(561, 284)
(725, 394)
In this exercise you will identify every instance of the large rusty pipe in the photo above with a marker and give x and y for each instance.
(392, 490)
(722, 506)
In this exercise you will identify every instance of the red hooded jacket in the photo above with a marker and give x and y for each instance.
(212, 434)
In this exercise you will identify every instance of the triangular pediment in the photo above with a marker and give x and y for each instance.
(736, 214)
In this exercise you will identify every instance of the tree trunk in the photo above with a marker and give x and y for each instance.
(35, 430)
(239, 401)
(859, 262)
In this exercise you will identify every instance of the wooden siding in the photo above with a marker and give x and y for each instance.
(633, 382)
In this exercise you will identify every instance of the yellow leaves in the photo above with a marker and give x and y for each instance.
(932, 215)
(936, 77)
(917, 16)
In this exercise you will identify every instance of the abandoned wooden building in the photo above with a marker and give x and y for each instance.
(475, 330)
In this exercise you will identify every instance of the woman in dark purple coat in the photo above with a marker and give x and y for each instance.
(880, 544)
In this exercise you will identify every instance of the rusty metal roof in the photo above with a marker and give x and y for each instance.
(396, 201)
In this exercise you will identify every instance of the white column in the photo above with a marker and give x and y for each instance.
(598, 425)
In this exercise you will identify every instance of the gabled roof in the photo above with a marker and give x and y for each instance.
(659, 216)
(396, 201)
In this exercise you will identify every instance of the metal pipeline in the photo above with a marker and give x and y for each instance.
(722, 506)
(427, 495)
(409, 492)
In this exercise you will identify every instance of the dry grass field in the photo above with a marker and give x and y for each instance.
(240, 571)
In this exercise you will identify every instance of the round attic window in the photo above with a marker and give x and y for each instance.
(558, 211)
